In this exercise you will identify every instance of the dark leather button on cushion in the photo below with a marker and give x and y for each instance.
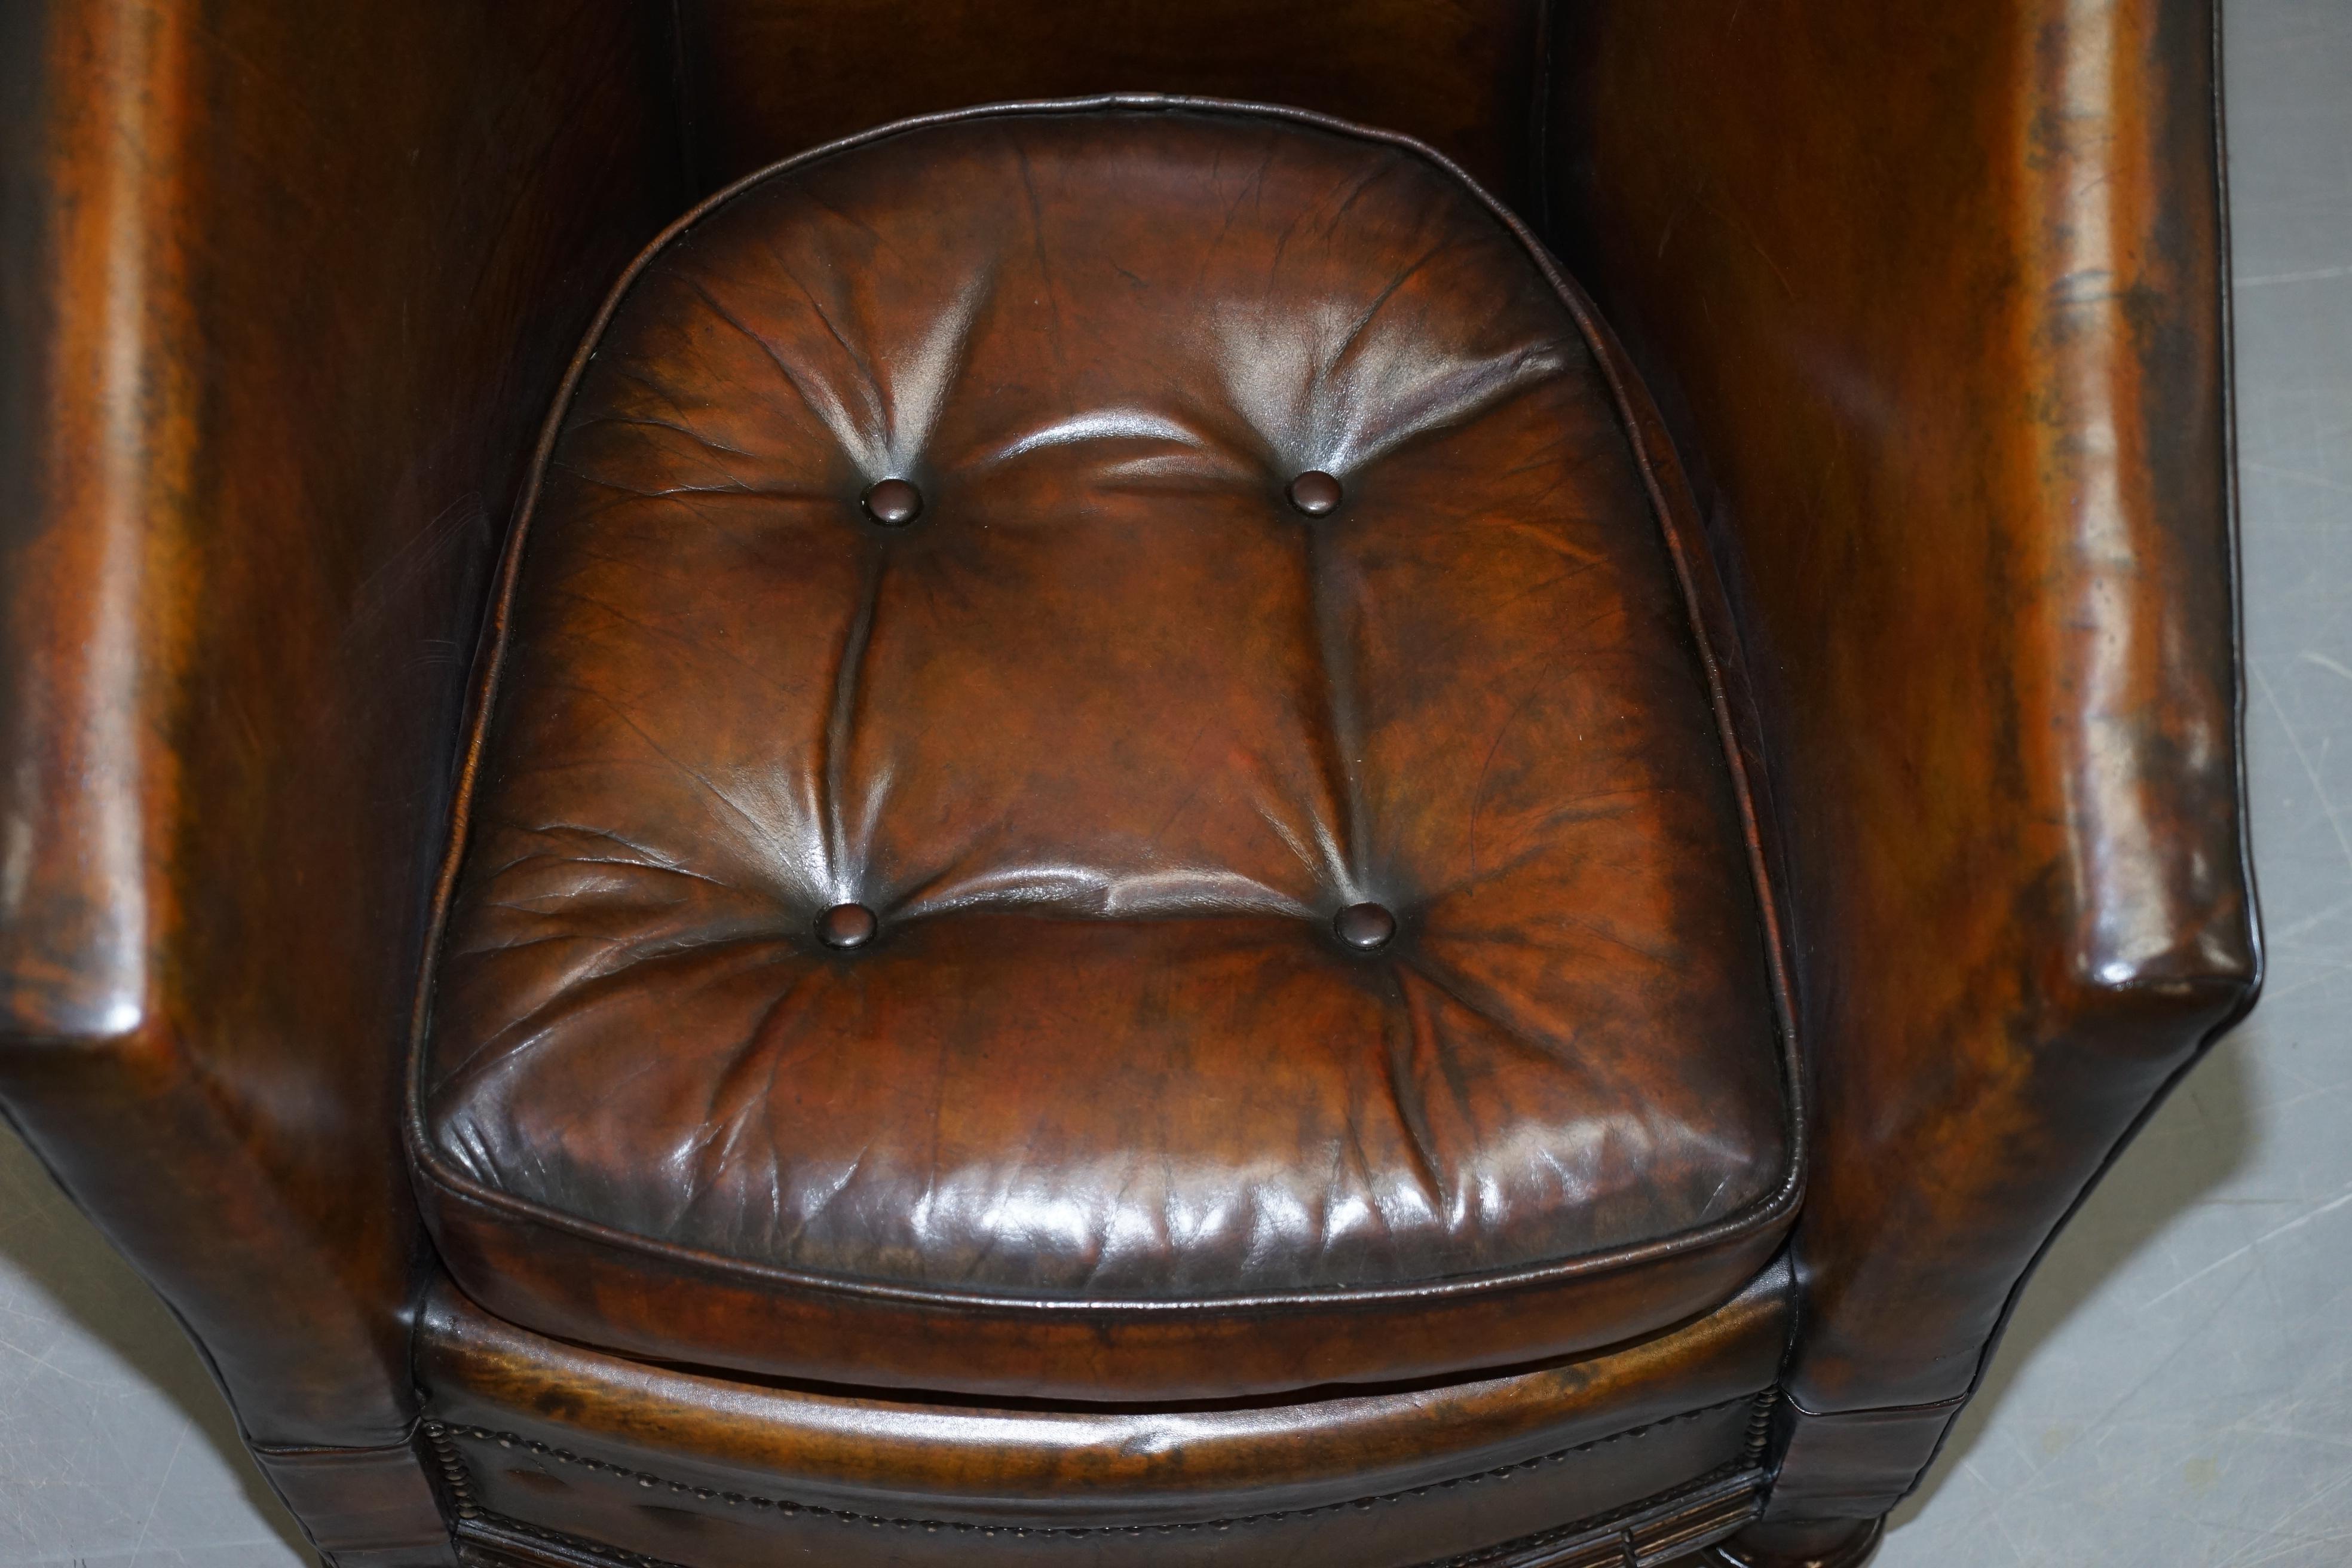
(1111, 1114)
(1315, 492)
(894, 503)
(1364, 926)
(845, 925)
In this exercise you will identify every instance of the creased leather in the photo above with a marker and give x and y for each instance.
(1105, 739)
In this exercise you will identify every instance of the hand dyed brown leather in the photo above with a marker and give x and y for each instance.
(1959, 399)
(979, 875)
(1933, 299)
(280, 319)
(761, 79)
(1353, 1478)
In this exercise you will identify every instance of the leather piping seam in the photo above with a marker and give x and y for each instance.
(443, 1436)
(1689, 1244)
(1759, 1216)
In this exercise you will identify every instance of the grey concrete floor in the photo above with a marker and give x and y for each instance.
(2176, 1390)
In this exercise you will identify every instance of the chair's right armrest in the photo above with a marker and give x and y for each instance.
(285, 288)
(1933, 296)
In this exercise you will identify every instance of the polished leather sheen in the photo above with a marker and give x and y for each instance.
(1078, 1465)
(1980, 515)
(1104, 738)
(562, 1439)
(1933, 298)
(287, 290)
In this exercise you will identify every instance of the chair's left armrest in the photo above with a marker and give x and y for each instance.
(284, 290)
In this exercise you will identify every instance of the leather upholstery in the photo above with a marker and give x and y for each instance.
(761, 79)
(1104, 737)
(1987, 583)
(562, 1438)
(1975, 519)
(288, 289)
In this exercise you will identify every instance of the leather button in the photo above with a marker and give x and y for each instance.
(1315, 492)
(893, 503)
(1364, 927)
(845, 925)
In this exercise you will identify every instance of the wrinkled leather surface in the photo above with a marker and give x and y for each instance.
(1108, 1467)
(1104, 738)
(1980, 517)
(557, 1438)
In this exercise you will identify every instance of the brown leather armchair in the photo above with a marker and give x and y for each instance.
(1141, 868)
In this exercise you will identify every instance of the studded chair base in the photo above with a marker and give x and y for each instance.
(1676, 1528)
(542, 1442)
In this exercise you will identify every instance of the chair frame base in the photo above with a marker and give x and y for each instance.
(1860, 1545)
(1653, 1533)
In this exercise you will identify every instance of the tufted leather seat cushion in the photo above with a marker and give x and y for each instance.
(1105, 739)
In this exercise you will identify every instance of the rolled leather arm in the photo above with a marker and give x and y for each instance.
(287, 287)
(1933, 296)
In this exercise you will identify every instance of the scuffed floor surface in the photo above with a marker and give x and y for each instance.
(115, 1450)
(2177, 1389)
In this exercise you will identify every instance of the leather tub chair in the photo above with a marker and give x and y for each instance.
(1357, 785)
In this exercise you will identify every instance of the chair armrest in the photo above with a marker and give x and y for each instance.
(286, 288)
(1933, 297)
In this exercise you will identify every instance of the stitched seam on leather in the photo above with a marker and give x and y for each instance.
(1703, 1498)
(442, 1435)
(1686, 1246)
(1759, 1217)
